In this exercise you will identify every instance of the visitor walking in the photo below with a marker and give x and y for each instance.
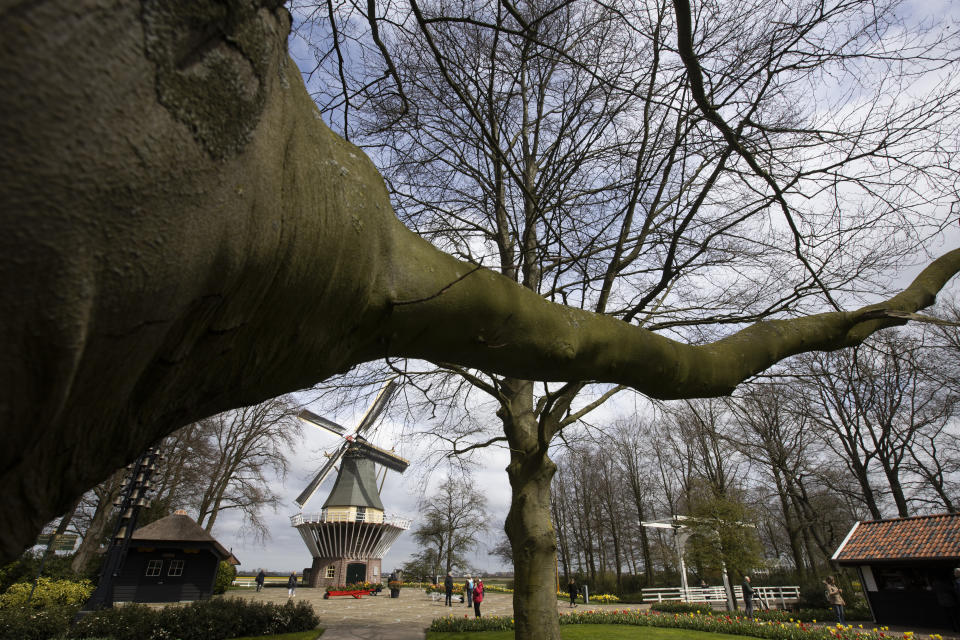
(260, 578)
(468, 591)
(477, 596)
(834, 596)
(747, 596)
(448, 589)
(572, 590)
(292, 585)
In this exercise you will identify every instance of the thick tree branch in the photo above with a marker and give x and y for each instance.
(491, 323)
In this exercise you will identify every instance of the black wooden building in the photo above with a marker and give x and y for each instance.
(170, 560)
(905, 567)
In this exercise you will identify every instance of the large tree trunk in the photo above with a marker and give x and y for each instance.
(534, 547)
(94, 535)
(529, 526)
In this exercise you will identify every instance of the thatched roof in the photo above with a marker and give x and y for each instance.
(180, 528)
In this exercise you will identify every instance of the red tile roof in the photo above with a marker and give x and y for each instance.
(921, 537)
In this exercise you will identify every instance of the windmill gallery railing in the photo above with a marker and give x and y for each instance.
(338, 535)
(323, 516)
(779, 597)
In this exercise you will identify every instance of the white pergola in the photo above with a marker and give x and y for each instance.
(681, 534)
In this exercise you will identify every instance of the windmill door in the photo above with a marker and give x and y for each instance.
(356, 572)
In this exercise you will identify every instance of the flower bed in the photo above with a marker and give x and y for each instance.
(356, 593)
(727, 624)
(458, 588)
(774, 615)
(354, 586)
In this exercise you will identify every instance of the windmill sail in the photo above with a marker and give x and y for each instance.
(383, 398)
(355, 444)
(320, 421)
(321, 476)
(383, 457)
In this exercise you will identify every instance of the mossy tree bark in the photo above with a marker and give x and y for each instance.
(529, 525)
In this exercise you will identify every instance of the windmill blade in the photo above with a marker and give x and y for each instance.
(383, 398)
(319, 421)
(380, 456)
(321, 476)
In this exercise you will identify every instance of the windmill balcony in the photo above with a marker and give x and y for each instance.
(327, 515)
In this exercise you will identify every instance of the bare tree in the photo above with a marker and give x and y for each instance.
(776, 439)
(453, 520)
(94, 520)
(869, 405)
(633, 444)
(243, 450)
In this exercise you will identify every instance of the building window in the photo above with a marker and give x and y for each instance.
(176, 568)
(361, 514)
(153, 568)
(332, 571)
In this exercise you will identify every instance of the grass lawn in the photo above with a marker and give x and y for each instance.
(595, 632)
(296, 635)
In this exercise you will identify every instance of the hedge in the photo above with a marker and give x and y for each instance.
(205, 620)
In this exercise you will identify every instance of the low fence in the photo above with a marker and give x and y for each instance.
(251, 581)
(780, 597)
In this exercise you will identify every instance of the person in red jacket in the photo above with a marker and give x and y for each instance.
(477, 596)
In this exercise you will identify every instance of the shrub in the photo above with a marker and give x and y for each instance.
(226, 573)
(26, 567)
(27, 623)
(207, 620)
(679, 607)
(48, 593)
(632, 598)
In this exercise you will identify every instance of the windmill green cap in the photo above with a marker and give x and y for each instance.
(356, 484)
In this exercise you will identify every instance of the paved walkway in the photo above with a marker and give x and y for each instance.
(407, 617)
(403, 618)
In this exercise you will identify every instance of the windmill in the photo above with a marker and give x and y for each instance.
(350, 535)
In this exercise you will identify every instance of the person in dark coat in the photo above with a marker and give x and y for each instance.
(260, 578)
(448, 589)
(747, 596)
(477, 597)
(572, 590)
(292, 585)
